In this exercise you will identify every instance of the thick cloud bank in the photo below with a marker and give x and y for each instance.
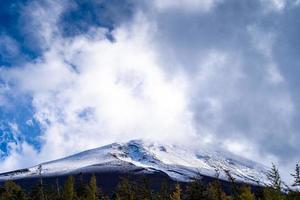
(213, 72)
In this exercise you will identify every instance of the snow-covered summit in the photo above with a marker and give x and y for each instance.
(178, 162)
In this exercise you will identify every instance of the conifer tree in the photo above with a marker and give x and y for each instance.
(81, 187)
(92, 189)
(143, 190)
(125, 190)
(296, 177)
(215, 192)
(176, 194)
(274, 177)
(234, 187)
(12, 191)
(196, 189)
(50, 193)
(245, 193)
(214, 189)
(294, 194)
(273, 194)
(37, 192)
(273, 191)
(68, 193)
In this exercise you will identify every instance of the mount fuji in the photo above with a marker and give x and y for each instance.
(143, 157)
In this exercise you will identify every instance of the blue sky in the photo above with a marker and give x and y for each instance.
(79, 74)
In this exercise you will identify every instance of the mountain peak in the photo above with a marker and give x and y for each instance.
(178, 162)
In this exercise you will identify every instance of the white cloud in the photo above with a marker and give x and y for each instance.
(41, 20)
(121, 84)
(9, 47)
(263, 42)
(14, 128)
(274, 5)
(297, 2)
(22, 155)
(187, 5)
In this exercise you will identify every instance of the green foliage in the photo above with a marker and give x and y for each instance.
(296, 177)
(140, 189)
(246, 194)
(92, 189)
(176, 194)
(69, 193)
(51, 193)
(215, 192)
(37, 193)
(293, 195)
(125, 190)
(273, 191)
(196, 190)
(143, 190)
(273, 194)
(81, 187)
(12, 191)
(274, 178)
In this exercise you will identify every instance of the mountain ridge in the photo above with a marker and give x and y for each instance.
(140, 156)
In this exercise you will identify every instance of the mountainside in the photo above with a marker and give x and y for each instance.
(139, 156)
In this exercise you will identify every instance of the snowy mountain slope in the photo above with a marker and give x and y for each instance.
(178, 162)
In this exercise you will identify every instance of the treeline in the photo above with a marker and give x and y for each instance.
(140, 189)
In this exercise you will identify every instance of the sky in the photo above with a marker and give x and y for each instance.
(79, 74)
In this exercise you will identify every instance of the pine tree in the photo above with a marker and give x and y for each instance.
(143, 190)
(274, 177)
(125, 190)
(81, 187)
(215, 192)
(176, 194)
(92, 189)
(12, 191)
(234, 187)
(273, 191)
(196, 190)
(273, 194)
(68, 193)
(295, 194)
(37, 192)
(50, 193)
(296, 177)
(246, 194)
